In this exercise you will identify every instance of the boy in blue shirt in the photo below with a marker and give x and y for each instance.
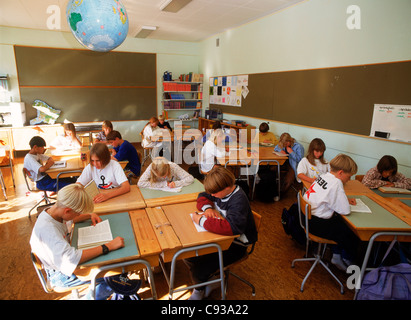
(124, 150)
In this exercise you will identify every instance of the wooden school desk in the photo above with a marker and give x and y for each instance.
(137, 233)
(129, 201)
(155, 198)
(72, 164)
(179, 239)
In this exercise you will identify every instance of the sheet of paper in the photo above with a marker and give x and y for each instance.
(59, 164)
(168, 189)
(198, 227)
(360, 207)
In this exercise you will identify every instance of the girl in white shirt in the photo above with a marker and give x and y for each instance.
(148, 133)
(106, 173)
(69, 140)
(162, 173)
(313, 164)
(214, 147)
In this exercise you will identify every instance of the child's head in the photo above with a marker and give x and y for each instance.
(316, 150)
(160, 169)
(74, 197)
(217, 137)
(387, 166)
(37, 141)
(107, 127)
(99, 155)
(153, 122)
(161, 119)
(69, 129)
(286, 140)
(343, 167)
(216, 125)
(218, 181)
(112, 138)
(264, 127)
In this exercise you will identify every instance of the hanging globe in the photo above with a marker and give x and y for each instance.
(99, 25)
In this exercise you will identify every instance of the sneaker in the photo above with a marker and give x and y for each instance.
(338, 262)
(211, 287)
(197, 295)
(276, 198)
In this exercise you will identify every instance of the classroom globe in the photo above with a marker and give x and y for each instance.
(99, 25)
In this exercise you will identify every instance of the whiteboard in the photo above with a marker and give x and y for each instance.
(392, 122)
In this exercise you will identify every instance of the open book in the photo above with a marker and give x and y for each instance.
(59, 164)
(93, 236)
(91, 189)
(360, 207)
(394, 190)
(280, 154)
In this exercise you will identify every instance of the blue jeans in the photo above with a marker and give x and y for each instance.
(49, 184)
(58, 279)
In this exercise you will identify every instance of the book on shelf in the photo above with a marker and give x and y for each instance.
(94, 236)
(394, 190)
(92, 189)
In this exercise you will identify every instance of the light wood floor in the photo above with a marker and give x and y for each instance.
(269, 268)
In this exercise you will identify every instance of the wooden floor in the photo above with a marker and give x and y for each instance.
(269, 267)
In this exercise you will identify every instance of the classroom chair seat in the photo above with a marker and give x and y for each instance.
(41, 273)
(44, 198)
(304, 209)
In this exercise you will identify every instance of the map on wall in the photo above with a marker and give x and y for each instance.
(228, 90)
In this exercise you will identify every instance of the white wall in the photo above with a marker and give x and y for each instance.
(313, 34)
(174, 56)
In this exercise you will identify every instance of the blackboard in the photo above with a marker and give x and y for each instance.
(340, 98)
(87, 85)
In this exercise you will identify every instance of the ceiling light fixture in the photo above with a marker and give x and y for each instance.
(145, 31)
(173, 5)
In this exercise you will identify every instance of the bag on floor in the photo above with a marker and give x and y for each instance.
(291, 224)
(123, 287)
(387, 283)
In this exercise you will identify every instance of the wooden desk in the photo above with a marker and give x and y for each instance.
(188, 193)
(73, 163)
(60, 154)
(129, 201)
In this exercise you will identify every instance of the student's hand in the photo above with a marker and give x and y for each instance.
(171, 184)
(101, 197)
(352, 201)
(389, 184)
(113, 152)
(211, 213)
(289, 150)
(115, 244)
(196, 217)
(50, 162)
(95, 219)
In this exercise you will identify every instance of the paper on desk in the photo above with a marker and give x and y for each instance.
(198, 227)
(360, 207)
(167, 189)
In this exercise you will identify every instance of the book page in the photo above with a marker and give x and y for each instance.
(360, 207)
(394, 190)
(59, 164)
(92, 189)
(167, 189)
(94, 236)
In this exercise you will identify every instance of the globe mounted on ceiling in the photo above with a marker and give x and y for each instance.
(99, 25)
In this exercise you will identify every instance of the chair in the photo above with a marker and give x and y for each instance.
(359, 177)
(66, 174)
(227, 269)
(45, 198)
(304, 208)
(7, 162)
(41, 273)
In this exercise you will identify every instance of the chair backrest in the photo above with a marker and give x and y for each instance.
(26, 175)
(38, 266)
(305, 208)
(359, 177)
(257, 220)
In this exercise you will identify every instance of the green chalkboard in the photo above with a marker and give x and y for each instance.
(340, 99)
(87, 85)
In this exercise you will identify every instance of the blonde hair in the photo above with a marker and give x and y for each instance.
(160, 168)
(217, 133)
(284, 138)
(218, 179)
(75, 197)
(344, 163)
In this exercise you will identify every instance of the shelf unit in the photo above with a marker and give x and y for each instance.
(182, 96)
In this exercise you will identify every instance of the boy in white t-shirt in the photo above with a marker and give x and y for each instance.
(50, 239)
(328, 202)
(106, 173)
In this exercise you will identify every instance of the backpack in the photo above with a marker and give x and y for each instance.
(291, 224)
(266, 189)
(123, 287)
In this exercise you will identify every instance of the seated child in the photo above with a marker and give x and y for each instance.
(163, 124)
(148, 133)
(221, 197)
(214, 147)
(313, 164)
(217, 125)
(106, 173)
(163, 173)
(265, 136)
(295, 151)
(124, 150)
(106, 128)
(328, 202)
(69, 140)
(50, 243)
(33, 163)
(385, 174)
